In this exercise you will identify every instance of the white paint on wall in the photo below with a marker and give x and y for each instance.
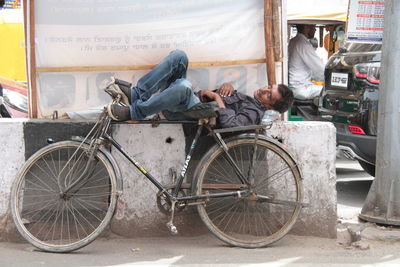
(312, 145)
(157, 150)
(12, 157)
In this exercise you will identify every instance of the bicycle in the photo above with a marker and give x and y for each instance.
(247, 188)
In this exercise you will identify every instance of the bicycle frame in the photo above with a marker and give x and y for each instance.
(238, 190)
(174, 195)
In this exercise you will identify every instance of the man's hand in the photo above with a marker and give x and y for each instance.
(207, 95)
(226, 90)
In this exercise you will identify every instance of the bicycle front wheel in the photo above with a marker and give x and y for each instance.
(271, 205)
(51, 219)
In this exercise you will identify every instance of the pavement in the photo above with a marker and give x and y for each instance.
(352, 188)
(358, 243)
(205, 250)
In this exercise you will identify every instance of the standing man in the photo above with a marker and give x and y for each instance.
(304, 64)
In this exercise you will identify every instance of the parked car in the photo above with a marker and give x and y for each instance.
(350, 100)
(13, 98)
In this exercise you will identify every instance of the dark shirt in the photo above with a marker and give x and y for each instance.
(241, 110)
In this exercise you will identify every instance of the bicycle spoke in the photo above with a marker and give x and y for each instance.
(57, 221)
(46, 221)
(53, 174)
(219, 210)
(251, 221)
(38, 187)
(78, 215)
(41, 208)
(43, 183)
(233, 209)
(285, 170)
(47, 174)
(75, 220)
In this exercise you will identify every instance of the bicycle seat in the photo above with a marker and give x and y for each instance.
(200, 111)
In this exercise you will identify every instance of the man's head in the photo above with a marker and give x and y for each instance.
(307, 29)
(278, 97)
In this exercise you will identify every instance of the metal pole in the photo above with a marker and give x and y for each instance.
(383, 201)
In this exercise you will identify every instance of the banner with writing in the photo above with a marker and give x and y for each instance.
(95, 33)
(365, 23)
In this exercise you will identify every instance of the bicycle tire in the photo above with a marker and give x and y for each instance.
(245, 221)
(55, 222)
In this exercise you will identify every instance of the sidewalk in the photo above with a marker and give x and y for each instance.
(205, 251)
(352, 188)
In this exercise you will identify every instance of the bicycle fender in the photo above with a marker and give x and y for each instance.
(108, 155)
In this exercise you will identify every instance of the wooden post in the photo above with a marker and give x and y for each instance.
(29, 13)
(269, 49)
(277, 29)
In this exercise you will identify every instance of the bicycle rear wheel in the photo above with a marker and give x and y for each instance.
(271, 205)
(52, 220)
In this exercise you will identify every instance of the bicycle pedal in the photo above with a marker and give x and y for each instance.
(172, 228)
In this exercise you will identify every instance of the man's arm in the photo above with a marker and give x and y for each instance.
(228, 118)
(207, 95)
(311, 59)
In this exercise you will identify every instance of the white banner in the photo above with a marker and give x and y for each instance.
(72, 33)
(365, 23)
(315, 10)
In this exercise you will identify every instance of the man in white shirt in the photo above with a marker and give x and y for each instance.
(304, 64)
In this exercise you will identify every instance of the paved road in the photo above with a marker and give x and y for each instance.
(352, 188)
(204, 251)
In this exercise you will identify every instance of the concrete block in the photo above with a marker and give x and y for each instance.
(12, 144)
(12, 158)
(313, 145)
(157, 150)
(38, 132)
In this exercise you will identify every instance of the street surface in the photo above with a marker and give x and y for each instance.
(353, 185)
(204, 250)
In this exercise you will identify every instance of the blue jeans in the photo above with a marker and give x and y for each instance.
(176, 92)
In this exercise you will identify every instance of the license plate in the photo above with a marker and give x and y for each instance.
(339, 79)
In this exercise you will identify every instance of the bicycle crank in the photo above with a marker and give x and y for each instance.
(164, 204)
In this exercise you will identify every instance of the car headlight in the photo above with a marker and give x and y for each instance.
(16, 100)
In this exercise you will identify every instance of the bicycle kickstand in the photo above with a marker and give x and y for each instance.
(170, 224)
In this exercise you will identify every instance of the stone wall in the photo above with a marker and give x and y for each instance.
(161, 150)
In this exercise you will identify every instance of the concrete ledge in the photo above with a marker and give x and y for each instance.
(158, 149)
(313, 145)
(12, 158)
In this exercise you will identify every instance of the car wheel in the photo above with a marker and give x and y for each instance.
(369, 168)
